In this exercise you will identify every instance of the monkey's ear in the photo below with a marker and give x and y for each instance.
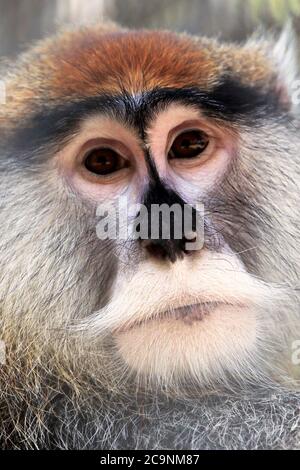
(285, 55)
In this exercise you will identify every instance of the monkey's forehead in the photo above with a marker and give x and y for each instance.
(85, 63)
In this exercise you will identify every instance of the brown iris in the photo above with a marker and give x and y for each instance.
(189, 144)
(104, 161)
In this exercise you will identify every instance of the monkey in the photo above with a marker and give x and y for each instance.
(150, 342)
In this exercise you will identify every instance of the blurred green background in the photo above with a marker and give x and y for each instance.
(23, 21)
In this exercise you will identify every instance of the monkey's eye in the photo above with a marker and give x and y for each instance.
(189, 144)
(104, 161)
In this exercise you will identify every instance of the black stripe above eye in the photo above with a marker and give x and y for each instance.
(234, 100)
(230, 100)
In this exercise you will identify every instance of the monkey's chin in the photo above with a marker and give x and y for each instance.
(204, 349)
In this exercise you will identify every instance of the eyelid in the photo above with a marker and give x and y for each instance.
(115, 176)
(113, 145)
(198, 161)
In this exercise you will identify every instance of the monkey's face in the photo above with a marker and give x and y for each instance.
(172, 309)
(183, 294)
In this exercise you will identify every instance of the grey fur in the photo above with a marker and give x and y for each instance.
(58, 390)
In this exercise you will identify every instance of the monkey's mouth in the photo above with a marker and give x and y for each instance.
(188, 314)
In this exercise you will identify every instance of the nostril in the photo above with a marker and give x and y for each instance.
(191, 239)
(156, 250)
(169, 250)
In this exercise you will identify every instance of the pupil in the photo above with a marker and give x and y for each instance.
(185, 143)
(102, 161)
(189, 145)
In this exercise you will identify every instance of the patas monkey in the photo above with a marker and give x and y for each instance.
(140, 342)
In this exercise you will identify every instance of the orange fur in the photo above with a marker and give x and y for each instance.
(84, 63)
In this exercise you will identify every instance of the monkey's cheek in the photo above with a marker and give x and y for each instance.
(168, 349)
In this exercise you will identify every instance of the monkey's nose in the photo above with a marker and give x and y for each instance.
(168, 250)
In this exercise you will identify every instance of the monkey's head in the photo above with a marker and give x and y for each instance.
(101, 127)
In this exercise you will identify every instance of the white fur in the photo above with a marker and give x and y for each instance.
(172, 348)
(285, 56)
(169, 348)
